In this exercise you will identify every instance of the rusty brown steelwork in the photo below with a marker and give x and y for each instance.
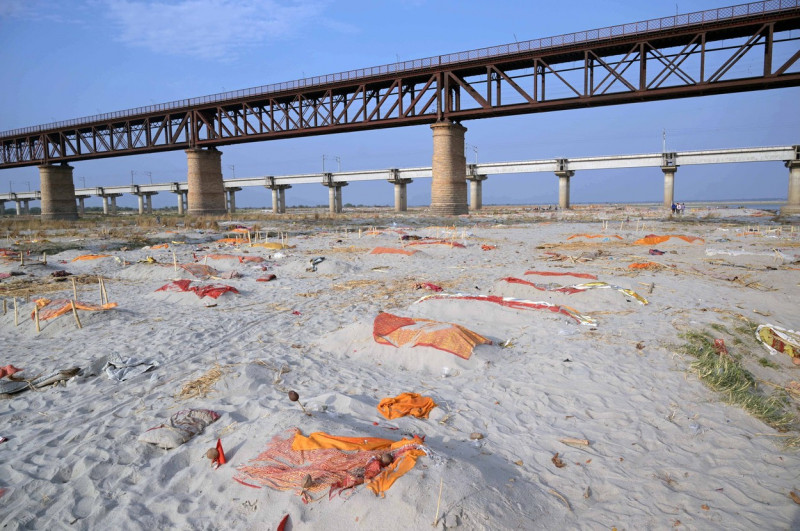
(681, 56)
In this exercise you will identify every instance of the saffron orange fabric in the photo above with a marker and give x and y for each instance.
(653, 239)
(645, 265)
(49, 309)
(90, 257)
(160, 246)
(392, 250)
(617, 236)
(437, 242)
(333, 462)
(406, 404)
(394, 330)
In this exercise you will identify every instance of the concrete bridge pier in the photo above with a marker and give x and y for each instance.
(334, 193)
(449, 183)
(81, 207)
(181, 195)
(206, 190)
(113, 198)
(231, 202)
(279, 197)
(58, 192)
(476, 191)
(145, 202)
(564, 174)
(400, 191)
(792, 206)
(669, 168)
(19, 206)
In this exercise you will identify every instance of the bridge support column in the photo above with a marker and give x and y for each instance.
(113, 198)
(81, 207)
(149, 202)
(26, 206)
(563, 188)
(476, 191)
(279, 197)
(141, 203)
(206, 190)
(334, 193)
(19, 206)
(181, 195)
(449, 184)
(792, 206)
(105, 204)
(400, 191)
(58, 192)
(231, 203)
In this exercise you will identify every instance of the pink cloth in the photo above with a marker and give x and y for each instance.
(8, 370)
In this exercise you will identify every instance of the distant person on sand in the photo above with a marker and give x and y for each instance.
(674, 207)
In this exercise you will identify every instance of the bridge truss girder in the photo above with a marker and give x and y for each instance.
(685, 62)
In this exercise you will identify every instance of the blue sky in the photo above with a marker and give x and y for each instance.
(65, 60)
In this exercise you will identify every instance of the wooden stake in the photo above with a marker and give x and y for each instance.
(75, 313)
(105, 293)
(74, 289)
(438, 503)
(36, 315)
(44, 257)
(572, 440)
(100, 285)
(16, 314)
(174, 260)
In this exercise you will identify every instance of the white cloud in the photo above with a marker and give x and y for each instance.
(211, 29)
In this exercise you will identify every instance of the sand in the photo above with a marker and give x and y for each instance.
(664, 450)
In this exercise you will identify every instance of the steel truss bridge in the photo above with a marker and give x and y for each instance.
(694, 54)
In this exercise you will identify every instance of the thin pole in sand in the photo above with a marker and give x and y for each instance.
(22, 257)
(105, 293)
(100, 285)
(75, 313)
(74, 289)
(438, 503)
(36, 315)
(44, 257)
(5, 306)
(16, 314)
(174, 260)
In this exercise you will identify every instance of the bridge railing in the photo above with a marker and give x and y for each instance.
(622, 30)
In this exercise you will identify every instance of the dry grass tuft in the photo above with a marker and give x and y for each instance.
(203, 386)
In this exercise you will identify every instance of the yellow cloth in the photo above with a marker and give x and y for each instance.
(406, 404)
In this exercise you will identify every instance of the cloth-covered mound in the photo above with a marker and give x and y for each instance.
(406, 404)
(653, 239)
(90, 257)
(777, 339)
(332, 462)
(207, 290)
(393, 250)
(518, 304)
(576, 288)
(606, 237)
(121, 369)
(182, 426)
(50, 309)
(201, 271)
(560, 274)
(388, 329)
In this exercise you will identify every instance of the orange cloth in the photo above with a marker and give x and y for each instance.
(653, 239)
(49, 309)
(404, 451)
(392, 250)
(160, 246)
(394, 330)
(235, 241)
(406, 404)
(90, 257)
(595, 236)
(486, 247)
(645, 265)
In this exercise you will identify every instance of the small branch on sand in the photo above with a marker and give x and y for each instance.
(562, 498)
(438, 503)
